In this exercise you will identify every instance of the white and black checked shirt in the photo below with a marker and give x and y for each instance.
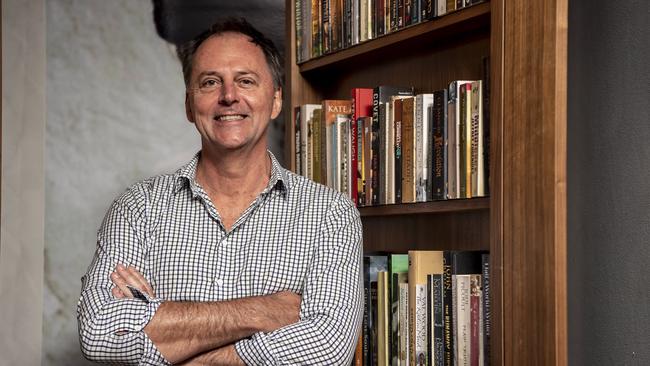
(297, 236)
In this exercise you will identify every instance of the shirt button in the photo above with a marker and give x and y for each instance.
(218, 281)
(225, 241)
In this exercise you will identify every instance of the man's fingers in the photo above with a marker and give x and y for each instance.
(118, 293)
(121, 284)
(143, 283)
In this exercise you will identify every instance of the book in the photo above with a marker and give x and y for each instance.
(398, 264)
(454, 128)
(475, 349)
(408, 151)
(381, 94)
(361, 106)
(477, 171)
(383, 325)
(423, 104)
(404, 325)
(486, 307)
(397, 122)
(367, 159)
(330, 109)
(463, 265)
(436, 320)
(316, 36)
(297, 144)
(372, 265)
(421, 263)
(439, 140)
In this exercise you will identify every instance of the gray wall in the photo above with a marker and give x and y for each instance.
(114, 116)
(23, 130)
(609, 182)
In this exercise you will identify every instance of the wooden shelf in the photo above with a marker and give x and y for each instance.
(458, 205)
(465, 21)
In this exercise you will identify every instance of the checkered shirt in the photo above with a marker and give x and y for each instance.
(296, 236)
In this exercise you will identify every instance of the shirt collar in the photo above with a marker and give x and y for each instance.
(186, 176)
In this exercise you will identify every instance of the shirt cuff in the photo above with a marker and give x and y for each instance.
(151, 355)
(255, 350)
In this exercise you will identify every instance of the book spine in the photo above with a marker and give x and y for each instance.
(316, 144)
(439, 161)
(462, 138)
(441, 8)
(354, 159)
(343, 122)
(367, 159)
(468, 140)
(374, 356)
(437, 308)
(367, 311)
(361, 198)
(419, 313)
(448, 309)
(463, 323)
(420, 195)
(309, 146)
(486, 308)
(397, 113)
(475, 315)
(298, 29)
(389, 151)
(452, 145)
(382, 316)
(477, 142)
(326, 27)
(383, 134)
(316, 49)
(485, 106)
(408, 136)
(404, 350)
(396, 327)
(296, 141)
(375, 147)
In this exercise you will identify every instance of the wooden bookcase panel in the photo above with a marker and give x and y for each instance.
(467, 230)
(427, 67)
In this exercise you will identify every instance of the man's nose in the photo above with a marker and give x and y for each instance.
(228, 93)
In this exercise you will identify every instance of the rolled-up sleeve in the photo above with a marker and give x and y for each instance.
(110, 329)
(332, 302)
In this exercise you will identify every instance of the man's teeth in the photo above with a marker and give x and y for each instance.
(235, 117)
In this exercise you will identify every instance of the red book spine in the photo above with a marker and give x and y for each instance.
(361, 107)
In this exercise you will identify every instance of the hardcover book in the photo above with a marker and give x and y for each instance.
(421, 263)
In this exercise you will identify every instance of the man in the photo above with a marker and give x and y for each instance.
(232, 259)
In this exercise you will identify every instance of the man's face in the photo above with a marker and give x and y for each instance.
(231, 97)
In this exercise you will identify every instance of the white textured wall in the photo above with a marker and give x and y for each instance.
(114, 116)
(23, 128)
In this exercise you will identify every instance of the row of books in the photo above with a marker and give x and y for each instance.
(387, 145)
(426, 308)
(324, 26)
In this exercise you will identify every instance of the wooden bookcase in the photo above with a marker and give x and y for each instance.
(523, 221)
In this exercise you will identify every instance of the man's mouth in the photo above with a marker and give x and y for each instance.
(229, 117)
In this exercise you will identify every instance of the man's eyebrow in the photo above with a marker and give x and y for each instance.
(239, 73)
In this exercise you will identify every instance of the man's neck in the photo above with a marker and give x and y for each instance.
(233, 174)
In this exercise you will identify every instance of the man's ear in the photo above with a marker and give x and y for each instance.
(277, 103)
(189, 113)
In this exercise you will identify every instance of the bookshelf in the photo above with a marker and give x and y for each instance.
(523, 221)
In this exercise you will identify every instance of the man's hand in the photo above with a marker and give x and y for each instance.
(123, 277)
(204, 333)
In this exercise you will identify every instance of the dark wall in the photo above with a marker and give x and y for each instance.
(609, 182)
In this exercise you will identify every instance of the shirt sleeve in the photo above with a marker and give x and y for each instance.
(110, 329)
(332, 303)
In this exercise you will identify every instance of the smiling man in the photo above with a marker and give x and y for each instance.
(232, 259)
